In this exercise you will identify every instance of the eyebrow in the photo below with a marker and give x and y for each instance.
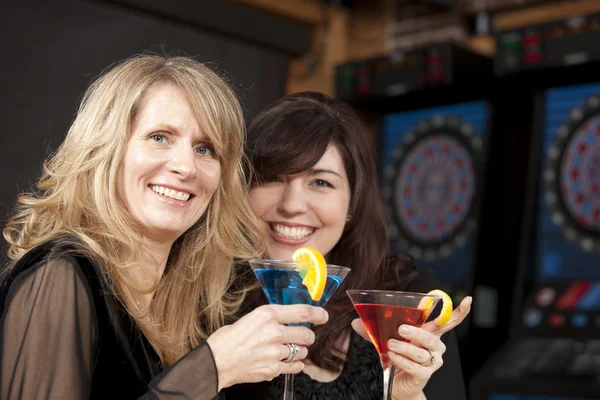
(165, 127)
(316, 171)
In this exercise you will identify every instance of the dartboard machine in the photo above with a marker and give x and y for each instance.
(433, 116)
(432, 121)
(554, 348)
(432, 185)
(432, 130)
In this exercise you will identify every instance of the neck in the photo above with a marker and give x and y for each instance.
(152, 263)
(156, 256)
(325, 375)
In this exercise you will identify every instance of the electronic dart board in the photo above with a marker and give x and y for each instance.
(433, 119)
(432, 181)
(554, 350)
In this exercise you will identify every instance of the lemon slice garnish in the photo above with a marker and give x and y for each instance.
(447, 307)
(426, 305)
(313, 270)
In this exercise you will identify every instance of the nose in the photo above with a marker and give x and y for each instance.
(294, 199)
(183, 163)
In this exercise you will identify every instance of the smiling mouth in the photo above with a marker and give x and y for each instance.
(170, 193)
(289, 232)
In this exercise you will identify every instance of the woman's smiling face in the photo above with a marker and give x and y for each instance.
(306, 209)
(169, 171)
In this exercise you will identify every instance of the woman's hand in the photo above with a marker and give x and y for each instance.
(458, 316)
(416, 361)
(255, 347)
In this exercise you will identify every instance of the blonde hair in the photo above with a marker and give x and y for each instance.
(76, 196)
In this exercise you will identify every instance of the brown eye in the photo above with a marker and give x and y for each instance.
(322, 183)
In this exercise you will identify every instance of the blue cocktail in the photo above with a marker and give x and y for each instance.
(282, 284)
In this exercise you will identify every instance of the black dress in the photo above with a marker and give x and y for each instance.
(64, 336)
(362, 375)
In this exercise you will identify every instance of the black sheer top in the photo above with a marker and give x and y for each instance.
(362, 375)
(64, 336)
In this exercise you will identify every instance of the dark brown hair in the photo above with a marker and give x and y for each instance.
(289, 137)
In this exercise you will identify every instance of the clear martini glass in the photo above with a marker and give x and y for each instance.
(282, 284)
(382, 312)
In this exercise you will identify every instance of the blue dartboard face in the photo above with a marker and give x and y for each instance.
(580, 175)
(432, 186)
(572, 176)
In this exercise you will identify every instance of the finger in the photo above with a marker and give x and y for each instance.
(410, 351)
(291, 367)
(458, 316)
(419, 373)
(285, 352)
(298, 334)
(420, 336)
(299, 313)
(359, 327)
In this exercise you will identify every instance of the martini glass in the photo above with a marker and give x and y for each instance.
(382, 312)
(282, 284)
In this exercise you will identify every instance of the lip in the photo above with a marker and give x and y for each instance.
(169, 200)
(288, 241)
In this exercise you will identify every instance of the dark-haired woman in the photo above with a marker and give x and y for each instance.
(315, 184)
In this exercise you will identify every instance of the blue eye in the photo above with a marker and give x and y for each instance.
(205, 150)
(158, 138)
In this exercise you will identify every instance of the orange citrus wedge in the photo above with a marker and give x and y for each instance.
(313, 270)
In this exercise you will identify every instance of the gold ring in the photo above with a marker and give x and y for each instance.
(431, 360)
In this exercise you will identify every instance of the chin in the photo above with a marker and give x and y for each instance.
(280, 255)
(165, 233)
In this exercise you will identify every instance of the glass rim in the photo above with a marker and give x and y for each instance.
(403, 292)
(291, 263)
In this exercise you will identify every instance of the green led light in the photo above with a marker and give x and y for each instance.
(512, 45)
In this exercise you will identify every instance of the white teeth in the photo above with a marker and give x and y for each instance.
(174, 194)
(292, 232)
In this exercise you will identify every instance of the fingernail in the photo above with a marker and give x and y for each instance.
(468, 301)
(393, 344)
(404, 330)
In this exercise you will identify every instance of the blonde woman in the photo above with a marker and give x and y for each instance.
(124, 255)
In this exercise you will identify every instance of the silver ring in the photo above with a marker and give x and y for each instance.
(294, 352)
(431, 360)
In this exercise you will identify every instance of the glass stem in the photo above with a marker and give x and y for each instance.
(388, 381)
(288, 390)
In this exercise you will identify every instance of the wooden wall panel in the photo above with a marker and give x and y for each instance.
(308, 11)
(545, 13)
(363, 35)
(317, 72)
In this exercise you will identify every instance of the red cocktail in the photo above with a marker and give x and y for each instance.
(383, 312)
(382, 323)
